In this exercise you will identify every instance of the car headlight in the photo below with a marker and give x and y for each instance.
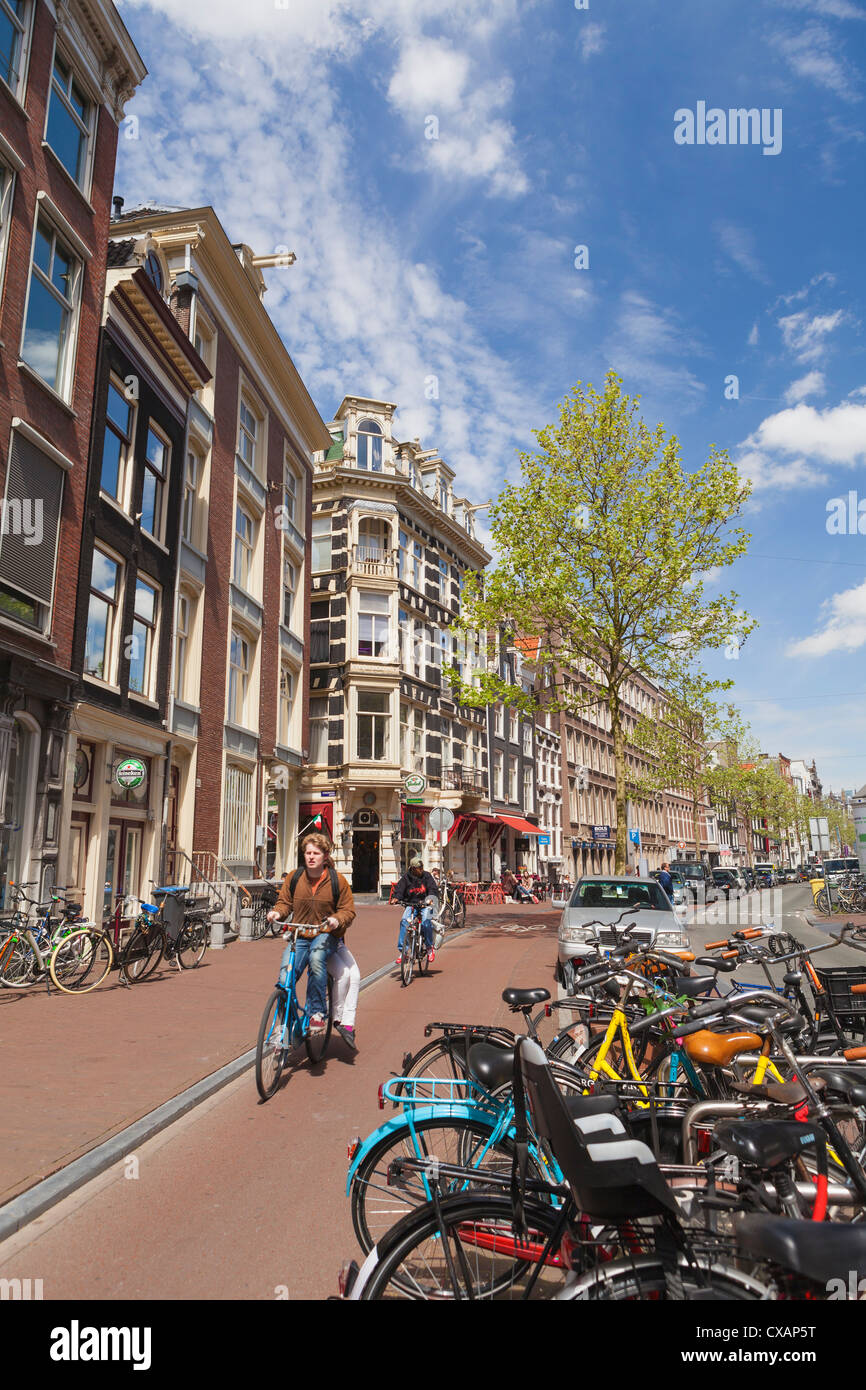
(671, 938)
(567, 933)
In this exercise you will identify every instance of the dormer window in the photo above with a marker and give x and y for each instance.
(443, 494)
(153, 271)
(370, 446)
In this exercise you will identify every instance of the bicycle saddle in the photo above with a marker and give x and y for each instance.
(853, 1088)
(524, 998)
(693, 985)
(756, 1013)
(783, 1093)
(720, 1049)
(491, 1066)
(818, 1250)
(727, 967)
(765, 1143)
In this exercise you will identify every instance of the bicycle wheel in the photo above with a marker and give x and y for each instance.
(407, 958)
(376, 1206)
(191, 944)
(571, 1044)
(423, 957)
(270, 1054)
(642, 1279)
(458, 908)
(822, 902)
(81, 961)
(317, 1043)
(615, 1054)
(18, 965)
(472, 1252)
(142, 953)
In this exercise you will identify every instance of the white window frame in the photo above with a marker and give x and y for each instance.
(162, 481)
(250, 404)
(243, 549)
(151, 656)
(127, 462)
(237, 814)
(87, 126)
(62, 385)
(183, 632)
(318, 538)
(290, 587)
(189, 503)
(7, 198)
(293, 492)
(112, 644)
(318, 731)
(380, 625)
(374, 715)
(238, 686)
(286, 703)
(25, 28)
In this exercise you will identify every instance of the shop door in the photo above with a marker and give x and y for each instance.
(122, 866)
(365, 861)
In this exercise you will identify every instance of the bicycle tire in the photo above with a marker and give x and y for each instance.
(458, 908)
(423, 958)
(270, 1058)
(376, 1206)
(414, 1262)
(822, 902)
(142, 953)
(407, 960)
(191, 945)
(317, 1044)
(18, 968)
(81, 961)
(642, 1279)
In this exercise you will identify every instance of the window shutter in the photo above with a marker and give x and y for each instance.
(33, 480)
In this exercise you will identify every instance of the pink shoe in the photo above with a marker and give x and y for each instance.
(399, 960)
(431, 955)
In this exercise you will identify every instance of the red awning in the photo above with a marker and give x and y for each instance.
(518, 823)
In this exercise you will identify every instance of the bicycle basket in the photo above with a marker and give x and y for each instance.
(848, 1009)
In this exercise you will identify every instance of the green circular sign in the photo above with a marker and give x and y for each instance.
(415, 783)
(130, 773)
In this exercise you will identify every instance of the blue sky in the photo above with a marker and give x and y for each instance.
(308, 126)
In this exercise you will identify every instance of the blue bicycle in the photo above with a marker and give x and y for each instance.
(285, 1026)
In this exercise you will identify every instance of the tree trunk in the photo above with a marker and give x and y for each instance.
(621, 852)
(696, 825)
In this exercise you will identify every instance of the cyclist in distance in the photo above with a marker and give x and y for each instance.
(417, 888)
(322, 900)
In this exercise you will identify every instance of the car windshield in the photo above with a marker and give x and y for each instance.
(834, 866)
(616, 895)
(691, 870)
(723, 874)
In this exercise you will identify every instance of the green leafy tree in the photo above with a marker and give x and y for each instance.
(603, 547)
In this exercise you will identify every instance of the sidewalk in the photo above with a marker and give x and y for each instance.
(78, 1070)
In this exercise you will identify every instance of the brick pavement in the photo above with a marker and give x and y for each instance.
(78, 1070)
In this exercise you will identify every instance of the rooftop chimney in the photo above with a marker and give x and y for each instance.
(118, 205)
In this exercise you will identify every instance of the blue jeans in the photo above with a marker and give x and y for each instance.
(314, 952)
(426, 926)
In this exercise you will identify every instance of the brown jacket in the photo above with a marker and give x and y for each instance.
(314, 909)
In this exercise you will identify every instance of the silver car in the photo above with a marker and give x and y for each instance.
(605, 898)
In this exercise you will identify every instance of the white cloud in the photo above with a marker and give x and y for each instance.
(833, 9)
(836, 435)
(739, 244)
(360, 311)
(766, 473)
(752, 339)
(813, 54)
(642, 335)
(844, 626)
(805, 335)
(812, 384)
(590, 40)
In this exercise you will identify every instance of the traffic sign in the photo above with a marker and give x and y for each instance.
(415, 784)
(441, 818)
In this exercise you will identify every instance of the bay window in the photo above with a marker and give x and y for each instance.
(372, 727)
(321, 547)
(373, 622)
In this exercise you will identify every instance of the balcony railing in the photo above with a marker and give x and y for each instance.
(375, 562)
(463, 779)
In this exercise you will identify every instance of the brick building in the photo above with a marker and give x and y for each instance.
(237, 720)
(147, 373)
(65, 75)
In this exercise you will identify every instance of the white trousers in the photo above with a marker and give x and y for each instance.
(345, 984)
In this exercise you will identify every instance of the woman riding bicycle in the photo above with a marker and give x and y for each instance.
(415, 888)
(308, 897)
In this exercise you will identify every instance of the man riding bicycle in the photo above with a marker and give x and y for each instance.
(308, 897)
(415, 888)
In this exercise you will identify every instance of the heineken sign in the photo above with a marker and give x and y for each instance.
(130, 773)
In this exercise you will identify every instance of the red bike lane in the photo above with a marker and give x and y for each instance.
(247, 1200)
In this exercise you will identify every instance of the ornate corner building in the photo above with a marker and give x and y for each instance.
(391, 541)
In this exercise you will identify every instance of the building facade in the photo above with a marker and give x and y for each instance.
(237, 721)
(116, 831)
(66, 72)
(391, 540)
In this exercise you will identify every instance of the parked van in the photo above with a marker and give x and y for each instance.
(697, 880)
